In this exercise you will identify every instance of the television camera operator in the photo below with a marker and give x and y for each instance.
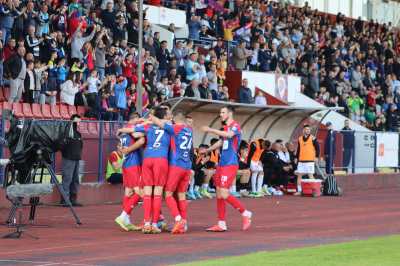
(71, 155)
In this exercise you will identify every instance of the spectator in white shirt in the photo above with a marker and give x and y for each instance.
(69, 89)
(92, 84)
(260, 99)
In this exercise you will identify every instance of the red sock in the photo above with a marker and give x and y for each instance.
(156, 208)
(147, 208)
(173, 207)
(221, 209)
(235, 203)
(133, 201)
(182, 208)
(126, 206)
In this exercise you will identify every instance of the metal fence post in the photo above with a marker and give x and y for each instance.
(2, 134)
(353, 157)
(100, 157)
(375, 150)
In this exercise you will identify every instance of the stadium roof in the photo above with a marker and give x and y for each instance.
(203, 105)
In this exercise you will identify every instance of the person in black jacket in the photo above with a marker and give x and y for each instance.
(15, 70)
(330, 148)
(276, 172)
(71, 155)
(348, 144)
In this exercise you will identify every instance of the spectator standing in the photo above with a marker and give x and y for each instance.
(78, 41)
(68, 90)
(348, 144)
(240, 55)
(163, 58)
(245, 95)
(71, 155)
(330, 148)
(15, 69)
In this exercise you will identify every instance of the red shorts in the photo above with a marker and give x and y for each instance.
(132, 176)
(155, 171)
(225, 175)
(178, 179)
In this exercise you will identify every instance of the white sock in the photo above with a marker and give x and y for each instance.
(222, 224)
(233, 188)
(191, 187)
(154, 225)
(146, 223)
(298, 188)
(254, 182)
(260, 180)
(178, 218)
(196, 188)
(247, 213)
(125, 217)
(204, 186)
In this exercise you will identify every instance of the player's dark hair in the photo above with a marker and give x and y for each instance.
(213, 141)
(166, 105)
(160, 112)
(205, 146)
(134, 115)
(230, 108)
(279, 141)
(306, 125)
(267, 144)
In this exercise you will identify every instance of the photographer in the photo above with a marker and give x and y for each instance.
(71, 155)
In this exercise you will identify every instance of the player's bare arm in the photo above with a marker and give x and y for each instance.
(138, 143)
(225, 134)
(158, 122)
(217, 145)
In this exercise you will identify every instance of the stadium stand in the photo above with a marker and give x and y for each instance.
(342, 62)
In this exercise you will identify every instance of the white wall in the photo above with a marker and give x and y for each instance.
(382, 11)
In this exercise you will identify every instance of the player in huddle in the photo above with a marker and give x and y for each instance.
(180, 163)
(131, 172)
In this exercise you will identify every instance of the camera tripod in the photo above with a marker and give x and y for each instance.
(41, 164)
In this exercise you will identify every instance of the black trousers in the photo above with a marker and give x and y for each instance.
(115, 178)
(347, 157)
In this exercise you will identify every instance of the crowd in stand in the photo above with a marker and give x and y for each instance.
(83, 52)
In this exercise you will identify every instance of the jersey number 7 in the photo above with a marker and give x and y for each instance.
(159, 134)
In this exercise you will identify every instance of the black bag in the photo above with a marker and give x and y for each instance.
(331, 187)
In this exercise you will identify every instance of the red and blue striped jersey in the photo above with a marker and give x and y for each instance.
(157, 141)
(230, 146)
(133, 158)
(181, 145)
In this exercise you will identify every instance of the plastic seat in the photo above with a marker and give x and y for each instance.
(27, 110)
(72, 110)
(2, 97)
(55, 111)
(36, 111)
(64, 112)
(81, 110)
(46, 111)
(17, 109)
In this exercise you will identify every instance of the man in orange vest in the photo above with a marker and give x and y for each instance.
(256, 167)
(307, 155)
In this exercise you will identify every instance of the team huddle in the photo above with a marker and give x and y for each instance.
(158, 155)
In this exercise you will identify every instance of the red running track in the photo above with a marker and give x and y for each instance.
(279, 223)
